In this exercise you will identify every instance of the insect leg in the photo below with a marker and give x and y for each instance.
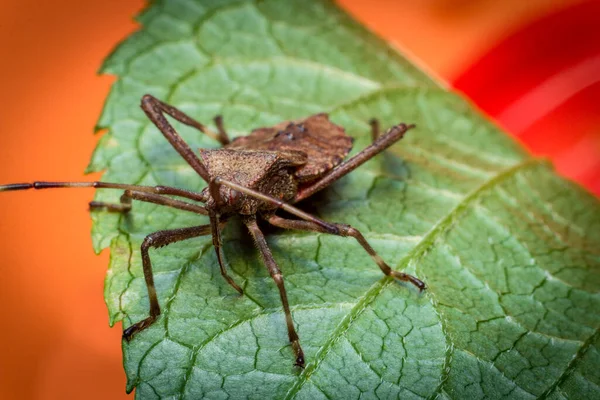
(271, 200)
(223, 136)
(154, 109)
(186, 119)
(375, 129)
(346, 230)
(275, 273)
(312, 223)
(124, 206)
(216, 235)
(394, 134)
(128, 195)
(159, 239)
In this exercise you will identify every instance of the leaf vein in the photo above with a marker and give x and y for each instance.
(414, 255)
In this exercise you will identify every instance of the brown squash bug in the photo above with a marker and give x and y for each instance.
(253, 177)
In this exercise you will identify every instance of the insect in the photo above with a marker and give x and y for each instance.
(253, 177)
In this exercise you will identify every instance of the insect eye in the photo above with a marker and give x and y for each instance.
(287, 135)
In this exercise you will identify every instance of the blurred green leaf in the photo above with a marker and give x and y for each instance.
(510, 252)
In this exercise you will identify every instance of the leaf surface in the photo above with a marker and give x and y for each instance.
(509, 251)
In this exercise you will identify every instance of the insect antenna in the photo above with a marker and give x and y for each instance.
(150, 194)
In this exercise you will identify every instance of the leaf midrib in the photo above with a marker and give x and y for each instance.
(428, 240)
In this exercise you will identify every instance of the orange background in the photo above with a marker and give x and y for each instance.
(55, 342)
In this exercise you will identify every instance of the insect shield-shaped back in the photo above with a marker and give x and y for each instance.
(269, 172)
(324, 143)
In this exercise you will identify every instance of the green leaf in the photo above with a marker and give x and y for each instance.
(510, 251)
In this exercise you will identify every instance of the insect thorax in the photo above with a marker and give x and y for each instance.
(269, 172)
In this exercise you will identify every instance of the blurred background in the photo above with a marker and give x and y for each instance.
(533, 66)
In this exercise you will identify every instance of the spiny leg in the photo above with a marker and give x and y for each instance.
(154, 109)
(159, 239)
(375, 129)
(275, 273)
(216, 236)
(380, 144)
(313, 223)
(182, 117)
(346, 230)
(218, 181)
(213, 189)
(123, 207)
(223, 136)
(129, 195)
